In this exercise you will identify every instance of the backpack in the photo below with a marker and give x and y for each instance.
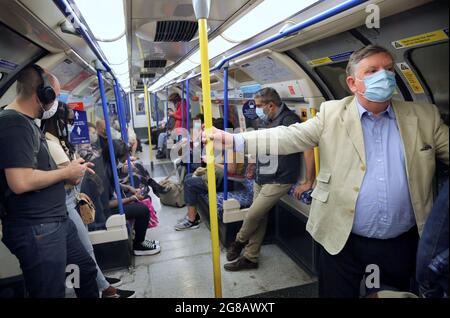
(36, 147)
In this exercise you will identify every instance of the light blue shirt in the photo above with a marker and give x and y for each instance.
(383, 208)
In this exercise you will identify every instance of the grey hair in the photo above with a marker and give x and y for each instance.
(363, 53)
(268, 95)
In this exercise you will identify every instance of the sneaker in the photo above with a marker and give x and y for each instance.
(185, 224)
(119, 293)
(153, 242)
(197, 219)
(146, 248)
(241, 264)
(114, 282)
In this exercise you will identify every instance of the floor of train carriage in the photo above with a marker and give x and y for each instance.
(183, 268)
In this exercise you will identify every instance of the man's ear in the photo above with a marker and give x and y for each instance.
(351, 83)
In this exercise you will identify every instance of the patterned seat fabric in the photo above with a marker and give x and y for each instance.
(244, 195)
(306, 196)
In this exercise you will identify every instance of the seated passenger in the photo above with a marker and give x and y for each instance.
(196, 184)
(101, 133)
(141, 177)
(132, 208)
(132, 140)
(162, 138)
(87, 151)
(57, 129)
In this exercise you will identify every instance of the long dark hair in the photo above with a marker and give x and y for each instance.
(121, 149)
(58, 126)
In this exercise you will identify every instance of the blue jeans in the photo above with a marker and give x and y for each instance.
(44, 251)
(83, 235)
(432, 254)
(162, 139)
(193, 187)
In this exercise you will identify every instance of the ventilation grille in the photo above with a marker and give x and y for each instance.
(148, 75)
(175, 31)
(155, 63)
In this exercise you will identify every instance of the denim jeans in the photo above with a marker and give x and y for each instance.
(162, 139)
(44, 251)
(83, 234)
(432, 255)
(193, 187)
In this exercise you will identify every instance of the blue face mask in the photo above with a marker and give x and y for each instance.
(380, 86)
(260, 113)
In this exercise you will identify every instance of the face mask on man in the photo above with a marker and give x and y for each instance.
(380, 87)
(261, 114)
(51, 112)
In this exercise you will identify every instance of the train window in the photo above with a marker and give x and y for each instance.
(334, 76)
(16, 52)
(432, 63)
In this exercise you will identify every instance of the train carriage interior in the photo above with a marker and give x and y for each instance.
(119, 64)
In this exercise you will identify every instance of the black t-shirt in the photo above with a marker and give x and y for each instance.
(17, 150)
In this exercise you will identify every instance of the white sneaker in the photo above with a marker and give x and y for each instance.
(146, 248)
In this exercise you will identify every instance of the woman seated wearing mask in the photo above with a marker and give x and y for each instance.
(57, 131)
(108, 199)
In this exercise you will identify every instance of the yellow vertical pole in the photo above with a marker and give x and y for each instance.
(316, 149)
(147, 112)
(212, 194)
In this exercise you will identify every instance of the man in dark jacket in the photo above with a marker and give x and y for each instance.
(274, 176)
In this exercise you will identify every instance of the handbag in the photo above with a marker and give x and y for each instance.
(85, 208)
(153, 221)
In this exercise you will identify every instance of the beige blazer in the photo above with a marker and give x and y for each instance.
(337, 131)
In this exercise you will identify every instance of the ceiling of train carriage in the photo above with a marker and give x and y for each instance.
(162, 32)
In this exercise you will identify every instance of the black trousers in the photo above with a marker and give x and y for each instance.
(340, 275)
(141, 216)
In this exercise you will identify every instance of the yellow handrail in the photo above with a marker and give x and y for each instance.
(316, 149)
(212, 194)
(147, 113)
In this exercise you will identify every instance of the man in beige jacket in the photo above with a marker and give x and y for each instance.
(374, 189)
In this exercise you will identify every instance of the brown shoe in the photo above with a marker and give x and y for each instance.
(241, 264)
(234, 251)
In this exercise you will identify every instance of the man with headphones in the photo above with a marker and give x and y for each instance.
(36, 228)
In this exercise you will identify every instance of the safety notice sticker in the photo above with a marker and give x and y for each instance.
(331, 59)
(412, 79)
(421, 39)
(321, 61)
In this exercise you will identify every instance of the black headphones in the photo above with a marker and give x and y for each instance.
(44, 91)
